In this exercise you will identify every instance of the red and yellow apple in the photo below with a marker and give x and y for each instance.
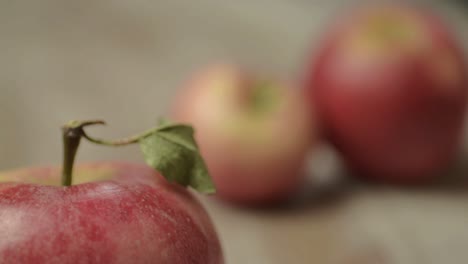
(114, 213)
(389, 84)
(111, 212)
(253, 133)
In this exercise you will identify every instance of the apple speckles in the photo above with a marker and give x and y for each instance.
(137, 217)
(12, 228)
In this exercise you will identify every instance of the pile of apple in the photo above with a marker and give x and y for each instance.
(387, 87)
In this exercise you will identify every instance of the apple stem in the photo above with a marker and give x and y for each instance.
(71, 141)
(123, 141)
(72, 133)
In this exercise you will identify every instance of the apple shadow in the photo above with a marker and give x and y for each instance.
(455, 178)
(309, 196)
(452, 180)
(314, 195)
(318, 196)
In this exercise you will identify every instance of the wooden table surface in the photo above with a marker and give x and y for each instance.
(123, 61)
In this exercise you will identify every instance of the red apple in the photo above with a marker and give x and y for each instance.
(132, 216)
(254, 134)
(115, 212)
(390, 87)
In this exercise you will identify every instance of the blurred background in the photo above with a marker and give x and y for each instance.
(123, 61)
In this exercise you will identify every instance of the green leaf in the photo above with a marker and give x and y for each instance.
(172, 151)
(164, 121)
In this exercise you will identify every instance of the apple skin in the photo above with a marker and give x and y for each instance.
(389, 86)
(131, 214)
(255, 158)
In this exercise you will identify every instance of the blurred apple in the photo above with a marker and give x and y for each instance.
(390, 86)
(254, 134)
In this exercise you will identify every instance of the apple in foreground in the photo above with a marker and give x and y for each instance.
(254, 133)
(389, 85)
(114, 212)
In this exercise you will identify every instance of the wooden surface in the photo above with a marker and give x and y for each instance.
(123, 61)
(352, 223)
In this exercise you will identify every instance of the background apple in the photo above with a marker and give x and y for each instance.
(389, 84)
(254, 134)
